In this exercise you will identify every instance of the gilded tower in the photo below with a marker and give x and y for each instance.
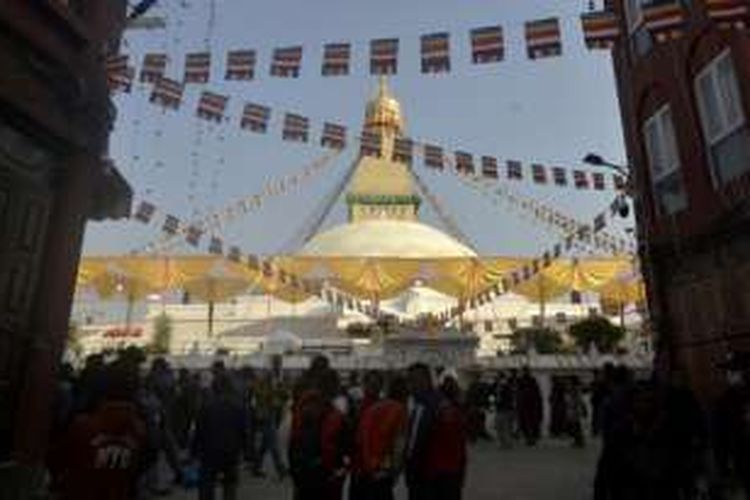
(382, 188)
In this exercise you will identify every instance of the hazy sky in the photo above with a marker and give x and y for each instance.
(552, 111)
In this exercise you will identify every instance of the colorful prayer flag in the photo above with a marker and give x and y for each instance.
(580, 180)
(197, 67)
(171, 225)
(489, 167)
(539, 173)
(240, 65)
(433, 156)
(167, 93)
(255, 117)
(600, 29)
(403, 150)
(600, 221)
(384, 56)
(728, 13)
(435, 55)
(665, 19)
(559, 176)
(336, 59)
(370, 144)
(515, 170)
(211, 106)
(543, 38)
(296, 128)
(464, 162)
(334, 136)
(193, 235)
(153, 67)
(619, 182)
(487, 45)
(119, 74)
(597, 178)
(145, 212)
(234, 254)
(286, 62)
(216, 246)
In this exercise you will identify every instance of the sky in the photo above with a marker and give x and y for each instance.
(550, 111)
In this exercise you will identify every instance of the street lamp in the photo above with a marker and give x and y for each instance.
(596, 160)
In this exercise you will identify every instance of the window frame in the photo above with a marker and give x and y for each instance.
(710, 70)
(657, 118)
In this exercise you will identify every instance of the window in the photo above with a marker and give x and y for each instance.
(664, 162)
(723, 119)
(639, 36)
(488, 326)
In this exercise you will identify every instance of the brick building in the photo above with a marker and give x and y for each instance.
(55, 119)
(683, 76)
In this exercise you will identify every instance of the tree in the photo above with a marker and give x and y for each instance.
(74, 339)
(542, 340)
(162, 334)
(597, 331)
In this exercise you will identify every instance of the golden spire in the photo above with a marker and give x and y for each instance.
(383, 117)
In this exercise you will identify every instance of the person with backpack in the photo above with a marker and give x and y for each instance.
(317, 451)
(381, 438)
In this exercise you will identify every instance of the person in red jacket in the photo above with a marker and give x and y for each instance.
(100, 455)
(446, 455)
(381, 441)
(317, 454)
(373, 386)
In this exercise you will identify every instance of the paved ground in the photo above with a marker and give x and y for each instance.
(553, 471)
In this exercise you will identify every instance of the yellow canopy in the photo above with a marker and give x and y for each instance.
(215, 279)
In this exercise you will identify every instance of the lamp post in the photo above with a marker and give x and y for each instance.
(642, 224)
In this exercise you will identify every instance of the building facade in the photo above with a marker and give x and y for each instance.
(55, 119)
(683, 77)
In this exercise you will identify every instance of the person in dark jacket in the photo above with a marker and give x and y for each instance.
(220, 435)
(100, 457)
(424, 406)
(530, 407)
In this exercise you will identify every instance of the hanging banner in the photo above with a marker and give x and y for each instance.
(515, 170)
(538, 173)
(665, 20)
(600, 29)
(559, 176)
(240, 65)
(433, 156)
(487, 45)
(296, 128)
(597, 179)
(464, 163)
(197, 67)
(255, 118)
(286, 62)
(384, 56)
(580, 180)
(435, 53)
(543, 38)
(153, 67)
(145, 212)
(370, 144)
(728, 14)
(167, 93)
(334, 136)
(336, 58)
(119, 74)
(489, 167)
(403, 150)
(211, 106)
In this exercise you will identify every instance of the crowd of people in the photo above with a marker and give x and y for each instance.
(124, 430)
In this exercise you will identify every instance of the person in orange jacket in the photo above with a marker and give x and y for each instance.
(380, 444)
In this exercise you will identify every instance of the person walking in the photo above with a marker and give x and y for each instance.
(218, 444)
(529, 407)
(575, 411)
(505, 407)
(380, 443)
(422, 413)
(370, 395)
(270, 400)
